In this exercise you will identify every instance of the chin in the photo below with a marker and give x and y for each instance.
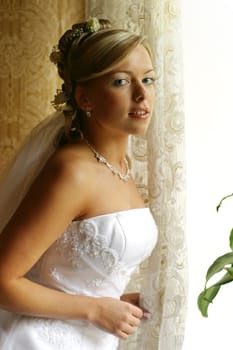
(139, 131)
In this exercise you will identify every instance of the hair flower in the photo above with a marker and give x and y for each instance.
(77, 32)
(92, 25)
(55, 55)
(60, 99)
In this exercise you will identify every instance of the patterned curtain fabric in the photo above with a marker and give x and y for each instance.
(28, 80)
(158, 163)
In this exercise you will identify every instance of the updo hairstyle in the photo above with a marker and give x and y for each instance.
(87, 51)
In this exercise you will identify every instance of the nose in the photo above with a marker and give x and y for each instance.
(139, 93)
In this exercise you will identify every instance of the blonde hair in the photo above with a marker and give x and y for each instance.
(100, 53)
(85, 55)
(94, 54)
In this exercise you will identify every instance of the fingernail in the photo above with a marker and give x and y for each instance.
(147, 315)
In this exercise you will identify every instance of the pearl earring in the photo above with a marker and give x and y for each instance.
(88, 114)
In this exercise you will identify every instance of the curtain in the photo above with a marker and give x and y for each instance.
(28, 80)
(158, 166)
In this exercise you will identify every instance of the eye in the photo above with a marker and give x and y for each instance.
(120, 82)
(148, 80)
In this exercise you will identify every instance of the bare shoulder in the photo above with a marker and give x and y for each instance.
(69, 167)
(62, 189)
(59, 194)
(68, 161)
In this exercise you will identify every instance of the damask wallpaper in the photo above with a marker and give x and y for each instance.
(28, 80)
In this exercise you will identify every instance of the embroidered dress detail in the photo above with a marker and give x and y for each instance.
(93, 257)
(88, 242)
(56, 333)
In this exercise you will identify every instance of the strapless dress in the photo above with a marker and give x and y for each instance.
(93, 257)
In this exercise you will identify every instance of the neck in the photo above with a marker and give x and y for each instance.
(114, 149)
(124, 176)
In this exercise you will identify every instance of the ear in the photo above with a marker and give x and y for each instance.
(81, 98)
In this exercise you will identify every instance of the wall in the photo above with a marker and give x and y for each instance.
(28, 80)
(208, 68)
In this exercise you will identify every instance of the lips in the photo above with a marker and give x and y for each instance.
(139, 113)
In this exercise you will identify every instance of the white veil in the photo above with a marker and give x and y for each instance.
(38, 147)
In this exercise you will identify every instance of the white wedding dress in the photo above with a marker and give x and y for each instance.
(93, 257)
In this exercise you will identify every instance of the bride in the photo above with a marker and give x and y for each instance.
(73, 224)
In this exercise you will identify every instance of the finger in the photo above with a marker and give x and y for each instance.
(122, 335)
(137, 312)
(128, 329)
(134, 321)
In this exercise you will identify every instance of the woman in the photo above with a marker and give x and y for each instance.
(75, 225)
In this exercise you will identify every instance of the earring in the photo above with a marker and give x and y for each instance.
(88, 114)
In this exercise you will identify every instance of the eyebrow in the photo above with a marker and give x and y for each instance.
(130, 72)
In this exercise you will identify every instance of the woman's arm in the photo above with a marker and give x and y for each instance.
(49, 207)
(59, 194)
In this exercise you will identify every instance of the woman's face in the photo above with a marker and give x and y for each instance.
(122, 101)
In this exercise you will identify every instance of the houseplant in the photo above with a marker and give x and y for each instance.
(222, 264)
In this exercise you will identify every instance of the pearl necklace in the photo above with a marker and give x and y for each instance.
(114, 170)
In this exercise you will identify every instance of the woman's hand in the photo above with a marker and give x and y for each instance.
(134, 298)
(115, 316)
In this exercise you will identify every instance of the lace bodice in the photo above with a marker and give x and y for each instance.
(94, 257)
(97, 255)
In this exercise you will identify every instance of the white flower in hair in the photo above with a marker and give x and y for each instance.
(55, 55)
(60, 99)
(92, 25)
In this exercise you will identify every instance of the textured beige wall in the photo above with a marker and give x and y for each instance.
(28, 80)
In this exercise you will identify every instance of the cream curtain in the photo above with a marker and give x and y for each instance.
(159, 170)
(28, 30)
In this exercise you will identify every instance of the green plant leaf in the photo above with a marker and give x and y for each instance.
(229, 270)
(223, 199)
(208, 295)
(227, 278)
(219, 264)
(205, 298)
(231, 239)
